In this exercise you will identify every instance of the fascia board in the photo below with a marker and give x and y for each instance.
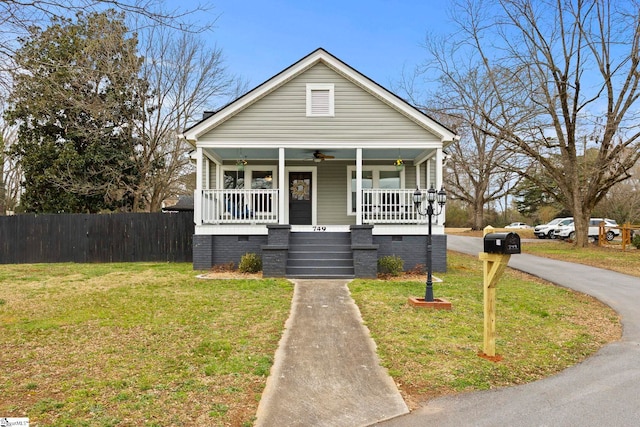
(253, 95)
(337, 65)
(390, 98)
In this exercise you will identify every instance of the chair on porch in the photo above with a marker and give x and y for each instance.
(237, 208)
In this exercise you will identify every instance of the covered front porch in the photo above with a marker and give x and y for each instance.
(243, 189)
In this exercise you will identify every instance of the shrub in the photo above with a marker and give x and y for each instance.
(417, 270)
(250, 263)
(636, 241)
(391, 265)
(225, 267)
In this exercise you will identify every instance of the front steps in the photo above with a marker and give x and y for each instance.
(320, 255)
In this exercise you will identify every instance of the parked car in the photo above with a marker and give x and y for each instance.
(545, 231)
(611, 229)
(518, 225)
(563, 228)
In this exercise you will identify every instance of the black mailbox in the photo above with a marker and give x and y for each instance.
(502, 243)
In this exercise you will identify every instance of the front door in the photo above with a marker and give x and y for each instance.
(300, 198)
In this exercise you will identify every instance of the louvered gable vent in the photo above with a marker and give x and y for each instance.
(320, 100)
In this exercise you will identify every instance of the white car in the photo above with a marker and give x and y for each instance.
(518, 225)
(611, 229)
(563, 228)
(545, 231)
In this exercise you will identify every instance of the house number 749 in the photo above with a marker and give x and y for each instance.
(319, 228)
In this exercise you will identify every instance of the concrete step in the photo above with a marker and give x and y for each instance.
(320, 262)
(310, 254)
(320, 271)
(319, 247)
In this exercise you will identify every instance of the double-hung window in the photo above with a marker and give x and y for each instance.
(244, 203)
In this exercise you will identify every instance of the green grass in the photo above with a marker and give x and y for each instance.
(541, 329)
(115, 344)
(149, 343)
(610, 256)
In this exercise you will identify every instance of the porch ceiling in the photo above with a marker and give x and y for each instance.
(307, 154)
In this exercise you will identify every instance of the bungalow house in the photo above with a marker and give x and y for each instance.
(315, 170)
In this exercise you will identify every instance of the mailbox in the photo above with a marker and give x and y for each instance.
(502, 243)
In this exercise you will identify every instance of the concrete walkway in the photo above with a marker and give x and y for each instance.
(604, 390)
(326, 372)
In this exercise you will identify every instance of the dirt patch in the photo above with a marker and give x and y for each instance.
(229, 275)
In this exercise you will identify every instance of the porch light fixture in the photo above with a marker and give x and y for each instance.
(440, 197)
(240, 164)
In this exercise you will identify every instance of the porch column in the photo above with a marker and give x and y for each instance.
(197, 194)
(282, 186)
(358, 186)
(438, 168)
(439, 182)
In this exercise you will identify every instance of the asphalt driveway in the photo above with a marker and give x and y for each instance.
(604, 390)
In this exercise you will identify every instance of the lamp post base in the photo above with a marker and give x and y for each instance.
(436, 304)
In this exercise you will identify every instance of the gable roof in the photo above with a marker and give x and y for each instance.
(210, 121)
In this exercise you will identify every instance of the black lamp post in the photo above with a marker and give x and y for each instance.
(432, 196)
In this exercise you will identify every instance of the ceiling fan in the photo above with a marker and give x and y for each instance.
(318, 156)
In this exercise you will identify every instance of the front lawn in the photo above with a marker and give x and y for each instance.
(610, 256)
(541, 329)
(133, 344)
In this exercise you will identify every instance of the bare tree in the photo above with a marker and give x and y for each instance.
(481, 169)
(184, 80)
(622, 202)
(10, 174)
(18, 16)
(568, 70)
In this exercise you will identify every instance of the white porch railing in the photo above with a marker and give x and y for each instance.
(392, 206)
(380, 206)
(239, 206)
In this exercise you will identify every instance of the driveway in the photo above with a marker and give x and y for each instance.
(604, 390)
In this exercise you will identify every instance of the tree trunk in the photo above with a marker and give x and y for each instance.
(3, 194)
(581, 224)
(478, 215)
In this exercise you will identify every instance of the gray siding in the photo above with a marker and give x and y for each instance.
(332, 194)
(332, 191)
(281, 116)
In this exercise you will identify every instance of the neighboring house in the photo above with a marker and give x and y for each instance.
(302, 170)
(179, 204)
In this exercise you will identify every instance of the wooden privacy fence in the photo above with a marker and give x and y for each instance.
(125, 237)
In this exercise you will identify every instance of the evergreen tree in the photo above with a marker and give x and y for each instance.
(76, 99)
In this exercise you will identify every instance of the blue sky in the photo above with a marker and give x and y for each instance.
(379, 38)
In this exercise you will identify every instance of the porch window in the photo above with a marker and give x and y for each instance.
(259, 177)
(233, 179)
(320, 101)
(384, 177)
(249, 203)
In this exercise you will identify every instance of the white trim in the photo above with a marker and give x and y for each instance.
(199, 168)
(358, 188)
(207, 175)
(282, 187)
(406, 229)
(320, 55)
(248, 173)
(320, 228)
(320, 88)
(314, 192)
(376, 180)
(231, 229)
